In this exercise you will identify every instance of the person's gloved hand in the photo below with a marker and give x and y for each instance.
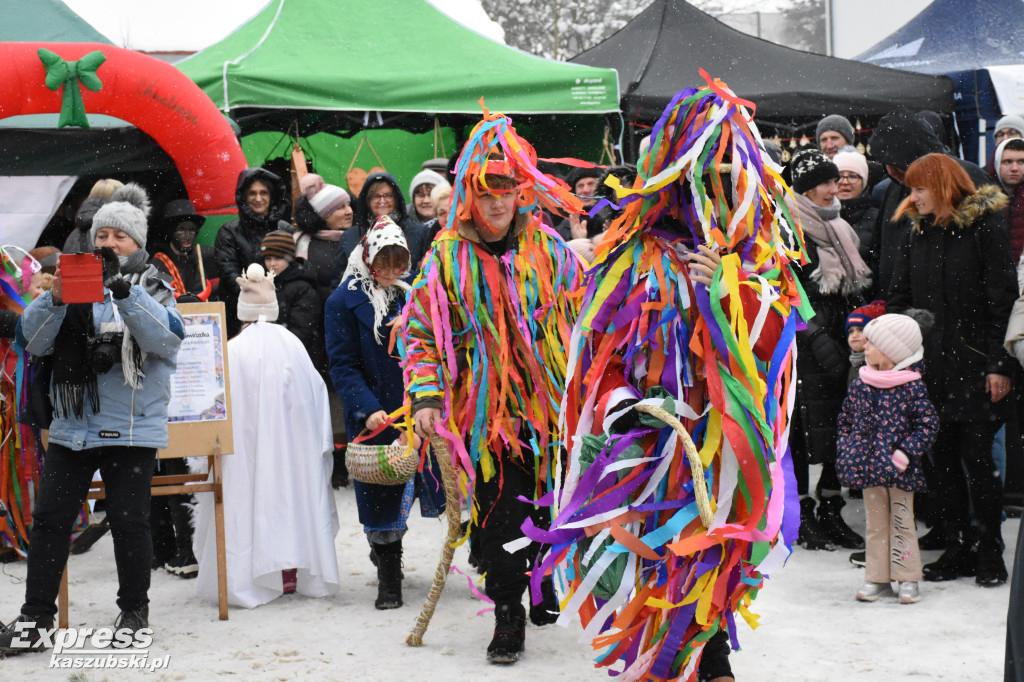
(112, 278)
(900, 460)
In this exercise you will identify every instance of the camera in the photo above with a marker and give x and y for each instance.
(104, 350)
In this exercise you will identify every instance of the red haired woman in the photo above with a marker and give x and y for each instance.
(958, 266)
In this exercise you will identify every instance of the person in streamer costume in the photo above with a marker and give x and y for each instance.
(691, 307)
(483, 338)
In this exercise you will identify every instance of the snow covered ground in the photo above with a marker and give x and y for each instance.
(811, 626)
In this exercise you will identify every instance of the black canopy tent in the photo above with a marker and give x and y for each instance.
(661, 50)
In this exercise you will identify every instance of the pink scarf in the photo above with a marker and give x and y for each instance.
(887, 378)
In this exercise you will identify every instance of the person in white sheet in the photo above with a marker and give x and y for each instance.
(279, 514)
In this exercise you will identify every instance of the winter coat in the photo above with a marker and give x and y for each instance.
(128, 416)
(822, 360)
(365, 375)
(368, 379)
(874, 423)
(187, 266)
(862, 215)
(238, 242)
(300, 311)
(1014, 211)
(415, 233)
(962, 273)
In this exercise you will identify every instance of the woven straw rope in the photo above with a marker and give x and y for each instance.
(452, 511)
(700, 487)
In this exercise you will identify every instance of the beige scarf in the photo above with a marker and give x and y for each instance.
(840, 269)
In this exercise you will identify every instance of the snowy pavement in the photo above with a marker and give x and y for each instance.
(811, 626)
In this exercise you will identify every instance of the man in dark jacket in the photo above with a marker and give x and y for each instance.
(1009, 171)
(585, 183)
(899, 140)
(264, 205)
(381, 196)
(177, 256)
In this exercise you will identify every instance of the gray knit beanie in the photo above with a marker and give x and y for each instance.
(127, 211)
(1010, 121)
(836, 123)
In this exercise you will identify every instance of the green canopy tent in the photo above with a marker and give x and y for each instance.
(392, 71)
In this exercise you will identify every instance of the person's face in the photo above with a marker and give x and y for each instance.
(382, 198)
(442, 213)
(856, 339)
(823, 194)
(258, 198)
(850, 185)
(341, 219)
(897, 174)
(923, 199)
(831, 142)
(876, 358)
(1005, 134)
(586, 188)
(185, 234)
(119, 241)
(275, 264)
(385, 276)
(499, 210)
(1011, 167)
(421, 199)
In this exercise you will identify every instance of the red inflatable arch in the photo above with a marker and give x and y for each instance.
(150, 94)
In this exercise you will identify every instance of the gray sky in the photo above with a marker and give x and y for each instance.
(191, 25)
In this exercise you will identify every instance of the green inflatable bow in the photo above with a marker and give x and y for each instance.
(62, 73)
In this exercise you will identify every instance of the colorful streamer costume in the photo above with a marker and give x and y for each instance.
(629, 552)
(483, 337)
(20, 460)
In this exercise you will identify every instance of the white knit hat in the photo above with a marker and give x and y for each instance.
(127, 211)
(425, 177)
(852, 162)
(256, 295)
(898, 336)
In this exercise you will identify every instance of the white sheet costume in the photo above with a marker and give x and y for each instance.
(279, 509)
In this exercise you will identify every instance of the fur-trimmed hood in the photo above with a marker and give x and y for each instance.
(988, 199)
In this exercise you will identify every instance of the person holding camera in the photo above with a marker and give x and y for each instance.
(112, 364)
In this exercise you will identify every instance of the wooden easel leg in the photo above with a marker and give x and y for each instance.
(62, 600)
(218, 514)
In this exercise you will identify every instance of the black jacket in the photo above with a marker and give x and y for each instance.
(822, 365)
(963, 274)
(415, 233)
(862, 215)
(188, 267)
(301, 311)
(238, 242)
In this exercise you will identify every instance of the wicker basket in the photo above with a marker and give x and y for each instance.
(381, 464)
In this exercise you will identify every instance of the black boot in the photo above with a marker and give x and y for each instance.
(991, 569)
(339, 476)
(546, 612)
(509, 633)
(811, 536)
(389, 575)
(830, 520)
(959, 560)
(23, 635)
(133, 619)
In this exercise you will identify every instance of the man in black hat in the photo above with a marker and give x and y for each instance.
(177, 256)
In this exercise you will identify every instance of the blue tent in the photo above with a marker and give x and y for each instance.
(979, 44)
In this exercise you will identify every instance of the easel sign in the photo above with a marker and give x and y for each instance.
(199, 412)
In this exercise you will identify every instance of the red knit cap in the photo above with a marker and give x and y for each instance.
(864, 314)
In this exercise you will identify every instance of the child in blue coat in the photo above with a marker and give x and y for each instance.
(886, 427)
(357, 319)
